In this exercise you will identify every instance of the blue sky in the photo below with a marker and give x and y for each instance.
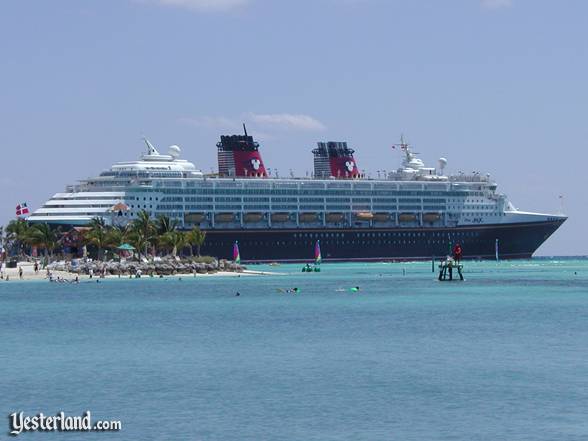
(497, 86)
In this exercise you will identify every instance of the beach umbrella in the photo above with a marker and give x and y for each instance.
(126, 247)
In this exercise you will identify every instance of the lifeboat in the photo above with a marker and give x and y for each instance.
(381, 217)
(307, 217)
(363, 216)
(194, 218)
(280, 217)
(431, 217)
(335, 217)
(253, 217)
(224, 217)
(407, 217)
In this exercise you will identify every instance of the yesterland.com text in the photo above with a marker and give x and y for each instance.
(19, 423)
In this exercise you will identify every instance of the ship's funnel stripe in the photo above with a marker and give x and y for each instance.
(334, 159)
(239, 156)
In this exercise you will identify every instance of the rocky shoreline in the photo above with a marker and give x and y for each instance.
(164, 267)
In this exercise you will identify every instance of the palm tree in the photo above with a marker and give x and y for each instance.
(175, 239)
(43, 236)
(195, 237)
(164, 225)
(2, 237)
(98, 235)
(143, 231)
(3, 244)
(116, 236)
(139, 241)
(17, 234)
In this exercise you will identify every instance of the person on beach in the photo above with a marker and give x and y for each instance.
(36, 267)
(20, 272)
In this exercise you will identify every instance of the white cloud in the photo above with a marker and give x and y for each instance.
(204, 5)
(496, 4)
(287, 121)
(260, 123)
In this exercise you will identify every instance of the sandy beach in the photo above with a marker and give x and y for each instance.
(28, 274)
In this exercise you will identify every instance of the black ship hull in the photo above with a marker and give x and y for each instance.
(515, 241)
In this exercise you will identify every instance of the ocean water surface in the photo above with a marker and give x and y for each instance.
(503, 355)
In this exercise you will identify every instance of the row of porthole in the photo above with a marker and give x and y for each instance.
(334, 242)
(389, 234)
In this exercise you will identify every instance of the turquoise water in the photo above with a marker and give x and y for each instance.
(503, 355)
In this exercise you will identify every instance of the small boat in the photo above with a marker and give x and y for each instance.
(194, 218)
(280, 217)
(236, 254)
(224, 217)
(407, 217)
(431, 217)
(252, 217)
(307, 217)
(363, 216)
(335, 217)
(317, 260)
(381, 217)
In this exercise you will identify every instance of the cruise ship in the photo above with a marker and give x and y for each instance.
(415, 212)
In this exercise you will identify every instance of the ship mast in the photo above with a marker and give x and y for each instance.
(405, 147)
(151, 150)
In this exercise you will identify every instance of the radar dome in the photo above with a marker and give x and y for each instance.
(442, 163)
(174, 151)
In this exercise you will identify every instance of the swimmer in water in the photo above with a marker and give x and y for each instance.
(237, 294)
